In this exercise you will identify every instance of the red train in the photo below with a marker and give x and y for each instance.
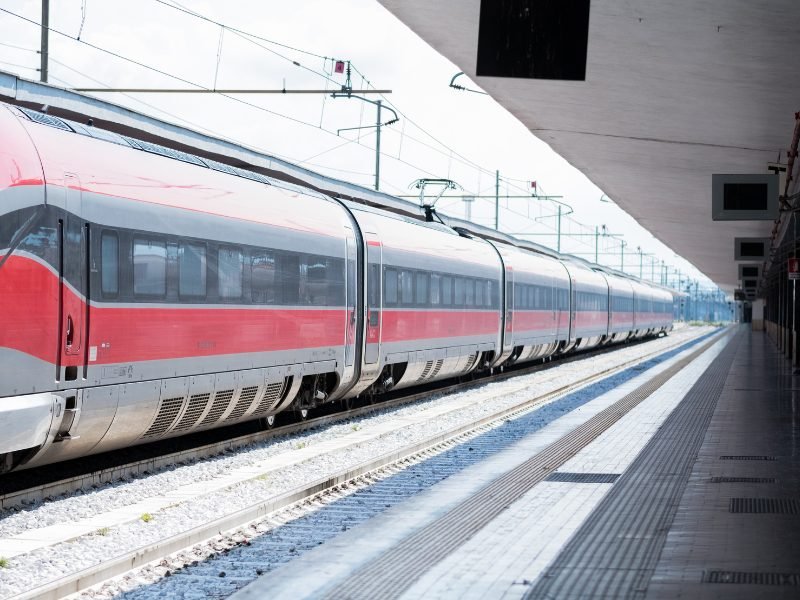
(147, 293)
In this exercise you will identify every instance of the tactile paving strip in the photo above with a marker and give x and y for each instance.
(751, 578)
(584, 477)
(743, 480)
(393, 572)
(748, 457)
(615, 552)
(777, 506)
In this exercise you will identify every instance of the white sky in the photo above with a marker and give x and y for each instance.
(437, 123)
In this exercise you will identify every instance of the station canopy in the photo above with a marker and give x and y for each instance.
(672, 92)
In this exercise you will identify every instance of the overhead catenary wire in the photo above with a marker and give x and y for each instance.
(18, 66)
(7, 45)
(451, 153)
(250, 37)
(448, 152)
(160, 71)
(176, 6)
(171, 115)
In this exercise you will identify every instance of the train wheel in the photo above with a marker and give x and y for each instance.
(302, 413)
(268, 422)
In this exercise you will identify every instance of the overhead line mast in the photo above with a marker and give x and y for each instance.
(45, 40)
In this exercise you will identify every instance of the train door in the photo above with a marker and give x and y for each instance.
(508, 340)
(374, 297)
(573, 309)
(73, 296)
(351, 300)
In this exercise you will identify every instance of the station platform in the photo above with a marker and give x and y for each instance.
(681, 483)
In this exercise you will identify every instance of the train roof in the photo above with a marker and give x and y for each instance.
(86, 115)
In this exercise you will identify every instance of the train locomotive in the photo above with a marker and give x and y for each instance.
(147, 293)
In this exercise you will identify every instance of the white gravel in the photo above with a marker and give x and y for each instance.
(37, 567)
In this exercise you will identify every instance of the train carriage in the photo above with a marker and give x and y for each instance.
(147, 293)
(433, 299)
(147, 297)
(537, 311)
(589, 305)
(621, 320)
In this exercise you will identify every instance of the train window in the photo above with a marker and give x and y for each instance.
(288, 278)
(109, 264)
(191, 270)
(262, 277)
(314, 281)
(149, 267)
(469, 288)
(447, 290)
(390, 295)
(422, 288)
(373, 282)
(479, 288)
(436, 289)
(493, 300)
(459, 293)
(229, 268)
(406, 288)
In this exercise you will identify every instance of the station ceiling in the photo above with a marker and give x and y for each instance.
(674, 91)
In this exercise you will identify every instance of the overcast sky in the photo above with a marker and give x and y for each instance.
(442, 132)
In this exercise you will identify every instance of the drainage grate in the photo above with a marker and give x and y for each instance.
(197, 404)
(436, 368)
(164, 151)
(747, 457)
(473, 358)
(751, 578)
(221, 401)
(167, 413)
(272, 393)
(742, 480)
(783, 506)
(245, 400)
(426, 370)
(584, 477)
(45, 119)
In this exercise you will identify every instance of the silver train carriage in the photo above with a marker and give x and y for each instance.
(147, 293)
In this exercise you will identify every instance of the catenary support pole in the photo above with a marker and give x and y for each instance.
(497, 200)
(378, 148)
(45, 40)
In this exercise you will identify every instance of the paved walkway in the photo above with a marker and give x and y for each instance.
(635, 513)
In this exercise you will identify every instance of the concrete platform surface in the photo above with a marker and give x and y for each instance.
(695, 492)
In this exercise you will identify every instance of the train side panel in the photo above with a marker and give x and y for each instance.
(440, 300)
(590, 306)
(191, 299)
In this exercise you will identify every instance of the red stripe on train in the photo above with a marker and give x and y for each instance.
(29, 324)
(402, 325)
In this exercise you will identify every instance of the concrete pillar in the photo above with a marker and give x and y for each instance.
(758, 315)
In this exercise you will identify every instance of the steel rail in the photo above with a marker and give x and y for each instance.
(95, 478)
(158, 550)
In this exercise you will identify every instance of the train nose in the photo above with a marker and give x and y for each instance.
(25, 423)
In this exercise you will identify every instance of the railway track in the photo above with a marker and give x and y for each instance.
(367, 470)
(24, 488)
